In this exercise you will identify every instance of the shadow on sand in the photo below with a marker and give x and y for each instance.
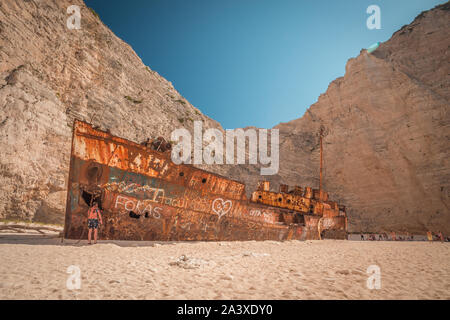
(55, 240)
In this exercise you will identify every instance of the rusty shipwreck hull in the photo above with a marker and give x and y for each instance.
(145, 196)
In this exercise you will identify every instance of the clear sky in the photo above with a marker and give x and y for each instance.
(252, 62)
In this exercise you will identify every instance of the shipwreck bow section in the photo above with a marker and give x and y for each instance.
(145, 196)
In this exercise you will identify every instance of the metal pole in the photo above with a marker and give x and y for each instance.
(321, 164)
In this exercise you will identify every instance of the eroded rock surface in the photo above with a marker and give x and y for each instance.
(387, 127)
(50, 75)
(386, 121)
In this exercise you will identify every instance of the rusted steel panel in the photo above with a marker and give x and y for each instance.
(145, 196)
(298, 191)
(263, 186)
(287, 201)
(101, 147)
(308, 193)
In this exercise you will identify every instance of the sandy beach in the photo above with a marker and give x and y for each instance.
(37, 268)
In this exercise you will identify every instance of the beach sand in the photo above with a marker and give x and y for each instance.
(36, 268)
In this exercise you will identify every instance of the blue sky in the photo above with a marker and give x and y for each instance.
(252, 62)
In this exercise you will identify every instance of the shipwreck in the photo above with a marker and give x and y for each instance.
(145, 196)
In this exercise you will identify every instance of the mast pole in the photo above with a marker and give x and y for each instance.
(321, 164)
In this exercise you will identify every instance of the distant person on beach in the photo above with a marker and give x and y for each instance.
(441, 236)
(393, 236)
(94, 217)
(429, 236)
(362, 236)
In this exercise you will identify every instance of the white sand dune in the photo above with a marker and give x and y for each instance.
(33, 268)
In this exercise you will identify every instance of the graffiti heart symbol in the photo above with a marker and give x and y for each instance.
(221, 207)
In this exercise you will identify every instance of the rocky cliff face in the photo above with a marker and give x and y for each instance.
(387, 126)
(50, 75)
(386, 121)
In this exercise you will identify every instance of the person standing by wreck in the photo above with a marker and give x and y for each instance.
(94, 217)
(430, 236)
(393, 236)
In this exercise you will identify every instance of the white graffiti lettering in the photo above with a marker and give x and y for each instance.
(257, 213)
(156, 193)
(126, 204)
(221, 207)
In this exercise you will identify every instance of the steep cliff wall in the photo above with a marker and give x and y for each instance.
(386, 121)
(48, 76)
(387, 125)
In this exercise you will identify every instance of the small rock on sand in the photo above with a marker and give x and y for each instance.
(186, 262)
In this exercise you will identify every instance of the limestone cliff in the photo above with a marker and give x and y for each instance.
(50, 75)
(386, 121)
(387, 126)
